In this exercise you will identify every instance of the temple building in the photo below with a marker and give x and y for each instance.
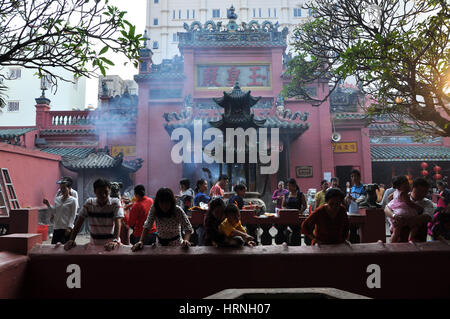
(229, 75)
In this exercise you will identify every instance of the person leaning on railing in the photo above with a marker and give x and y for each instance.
(329, 223)
(169, 219)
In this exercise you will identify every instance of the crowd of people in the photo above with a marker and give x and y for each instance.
(114, 219)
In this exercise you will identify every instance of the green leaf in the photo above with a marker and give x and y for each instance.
(102, 69)
(103, 51)
(107, 61)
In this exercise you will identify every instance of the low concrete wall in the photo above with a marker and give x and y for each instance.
(405, 270)
(24, 220)
(12, 275)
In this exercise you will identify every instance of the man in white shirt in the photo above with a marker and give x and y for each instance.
(62, 214)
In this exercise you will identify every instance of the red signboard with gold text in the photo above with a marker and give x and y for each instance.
(249, 75)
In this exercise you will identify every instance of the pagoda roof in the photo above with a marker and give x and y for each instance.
(237, 96)
(237, 113)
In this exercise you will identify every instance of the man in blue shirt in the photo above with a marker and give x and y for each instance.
(356, 195)
(357, 192)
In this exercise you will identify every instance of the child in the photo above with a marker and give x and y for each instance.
(238, 198)
(231, 227)
(404, 209)
(104, 215)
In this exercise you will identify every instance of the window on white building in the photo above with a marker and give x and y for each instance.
(155, 1)
(254, 13)
(179, 14)
(297, 12)
(260, 12)
(216, 13)
(13, 106)
(14, 73)
(155, 45)
(155, 21)
(193, 14)
(275, 12)
(187, 14)
(173, 14)
(175, 37)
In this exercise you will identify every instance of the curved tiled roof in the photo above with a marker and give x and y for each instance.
(271, 122)
(409, 153)
(69, 151)
(14, 132)
(350, 116)
(93, 160)
(68, 132)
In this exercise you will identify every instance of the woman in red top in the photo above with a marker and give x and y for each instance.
(329, 223)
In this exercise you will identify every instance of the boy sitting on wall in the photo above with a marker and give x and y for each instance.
(231, 227)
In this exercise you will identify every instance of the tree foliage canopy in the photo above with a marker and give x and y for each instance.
(69, 34)
(398, 51)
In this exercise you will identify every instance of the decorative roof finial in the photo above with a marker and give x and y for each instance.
(231, 14)
(145, 38)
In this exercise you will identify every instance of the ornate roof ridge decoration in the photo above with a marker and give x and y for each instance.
(286, 114)
(125, 100)
(252, 34)
(168, 69)
(237, 113)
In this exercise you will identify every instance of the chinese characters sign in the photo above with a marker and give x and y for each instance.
(224, 76)
(345, 147)
(126, 150)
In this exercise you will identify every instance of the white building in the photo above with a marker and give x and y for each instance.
(115, 85)
(166, 17)
(24, 87)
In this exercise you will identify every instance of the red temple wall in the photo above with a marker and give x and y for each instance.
(33, 173)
